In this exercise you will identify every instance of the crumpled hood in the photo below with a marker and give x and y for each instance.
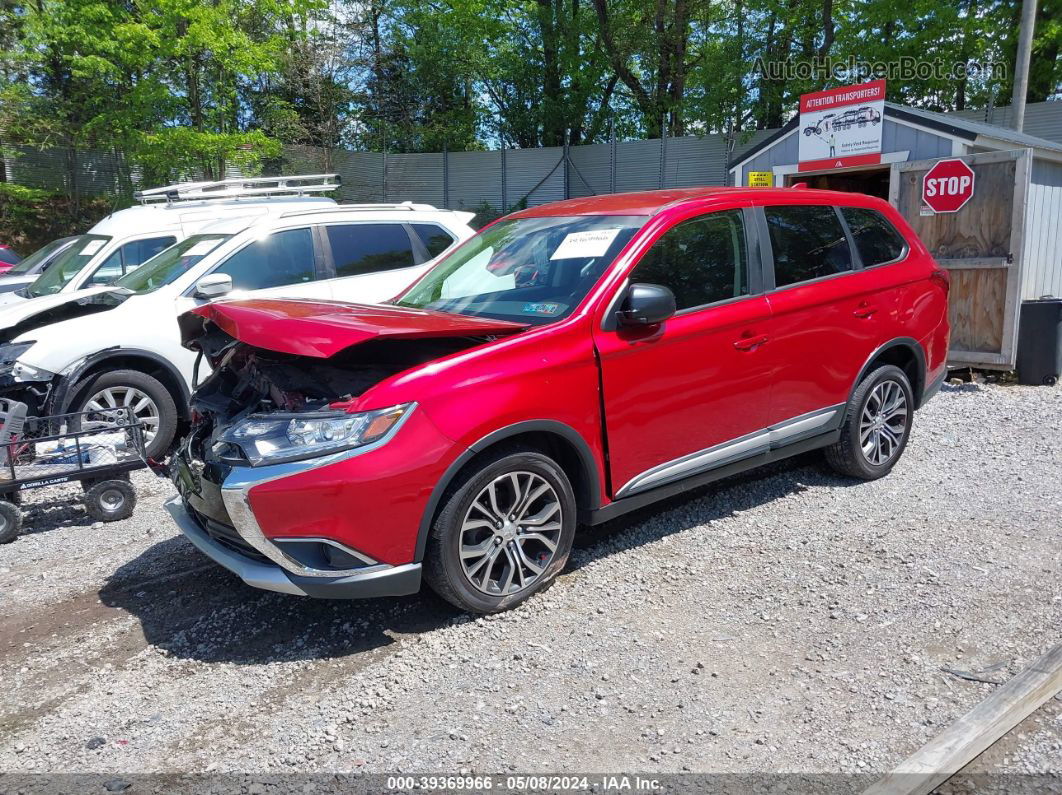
(321, 329)
(28, 314)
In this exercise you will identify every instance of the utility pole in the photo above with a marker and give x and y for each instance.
(1021, 64)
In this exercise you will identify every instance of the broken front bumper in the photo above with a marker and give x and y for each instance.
(215, 514)
(372, 581)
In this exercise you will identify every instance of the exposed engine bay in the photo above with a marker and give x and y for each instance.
(250, 381)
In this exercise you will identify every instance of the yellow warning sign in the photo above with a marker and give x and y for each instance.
(761, 179)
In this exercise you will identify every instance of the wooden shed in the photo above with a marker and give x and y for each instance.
(1002, 247)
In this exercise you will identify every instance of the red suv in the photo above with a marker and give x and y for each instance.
(566, 365)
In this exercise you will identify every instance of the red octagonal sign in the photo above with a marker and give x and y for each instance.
(947, 186)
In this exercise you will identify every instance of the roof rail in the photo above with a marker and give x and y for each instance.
(240, 187)
(340, 208)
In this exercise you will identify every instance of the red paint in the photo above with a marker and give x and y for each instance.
(649, 202)
(701, 378)
(861, 94)
(840, 162)
(948, 185)
(319, 329)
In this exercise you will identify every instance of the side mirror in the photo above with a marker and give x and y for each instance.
(646, 305)
(213, 286)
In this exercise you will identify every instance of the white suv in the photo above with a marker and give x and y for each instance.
(124, 239)
(120, 345)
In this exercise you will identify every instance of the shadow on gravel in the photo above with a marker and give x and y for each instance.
(41, 516)
(194, 609)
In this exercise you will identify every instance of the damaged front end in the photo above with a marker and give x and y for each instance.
(23, 382)
(271, 415)
(43, 391)
(261, 407)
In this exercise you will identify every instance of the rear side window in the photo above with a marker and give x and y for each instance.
(701, 260)
(875, 238)
(281, 259)
(808, 243)
(435, 239)
(368, 248)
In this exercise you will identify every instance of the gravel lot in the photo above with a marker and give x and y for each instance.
(782, 621)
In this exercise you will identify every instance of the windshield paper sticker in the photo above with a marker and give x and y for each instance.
(593, 243)
(92, 247)
(202, 248)
(542, 309)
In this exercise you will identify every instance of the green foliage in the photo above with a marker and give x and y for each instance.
(486, 213)
(173, 153)
(186, 89)
(29, 218)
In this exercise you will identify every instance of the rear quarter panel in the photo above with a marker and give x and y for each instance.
(923, 303)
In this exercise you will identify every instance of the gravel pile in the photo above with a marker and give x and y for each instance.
(783, 621)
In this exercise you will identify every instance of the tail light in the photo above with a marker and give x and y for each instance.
(942, 278)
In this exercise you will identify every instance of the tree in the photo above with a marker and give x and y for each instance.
(647, 47)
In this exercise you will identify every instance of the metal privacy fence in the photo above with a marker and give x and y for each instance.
(464, 180)
(457, 180)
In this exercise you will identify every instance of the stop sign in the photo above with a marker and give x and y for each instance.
(947, 186)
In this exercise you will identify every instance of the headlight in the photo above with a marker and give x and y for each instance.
(274, 438)
(9, 354)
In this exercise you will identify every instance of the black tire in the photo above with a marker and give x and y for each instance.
(443, 568)
(149, 385)
(10, 521)
(110, 500)
(847, 456)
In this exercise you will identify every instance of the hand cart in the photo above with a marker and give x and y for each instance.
(97, 448)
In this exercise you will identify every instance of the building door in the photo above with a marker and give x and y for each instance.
(981, 245)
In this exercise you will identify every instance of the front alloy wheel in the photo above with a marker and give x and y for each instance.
(503, 531)
(105, 396)
(107, 404)
(510, 533)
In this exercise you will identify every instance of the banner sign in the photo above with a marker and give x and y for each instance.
(841, 127)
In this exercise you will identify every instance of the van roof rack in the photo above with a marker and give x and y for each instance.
(241, 187)
(341, 208)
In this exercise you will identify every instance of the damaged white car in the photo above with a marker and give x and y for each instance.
(96, 350)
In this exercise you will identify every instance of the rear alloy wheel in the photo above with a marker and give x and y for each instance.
(877, 424)
(504, 532)
(107, 396)
(883, 423)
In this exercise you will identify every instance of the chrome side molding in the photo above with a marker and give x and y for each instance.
(772, 437)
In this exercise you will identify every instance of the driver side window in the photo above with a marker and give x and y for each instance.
(127, 258)
(278, 260)
(702, 260)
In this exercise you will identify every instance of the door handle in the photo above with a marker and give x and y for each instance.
(750, 342)
(865, 310)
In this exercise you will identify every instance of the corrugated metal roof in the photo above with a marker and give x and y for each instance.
(973, 128)
(1042, 119)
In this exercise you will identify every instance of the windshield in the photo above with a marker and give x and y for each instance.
(166, 266)
(30, 263)
(529, 270)
(67, 265)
